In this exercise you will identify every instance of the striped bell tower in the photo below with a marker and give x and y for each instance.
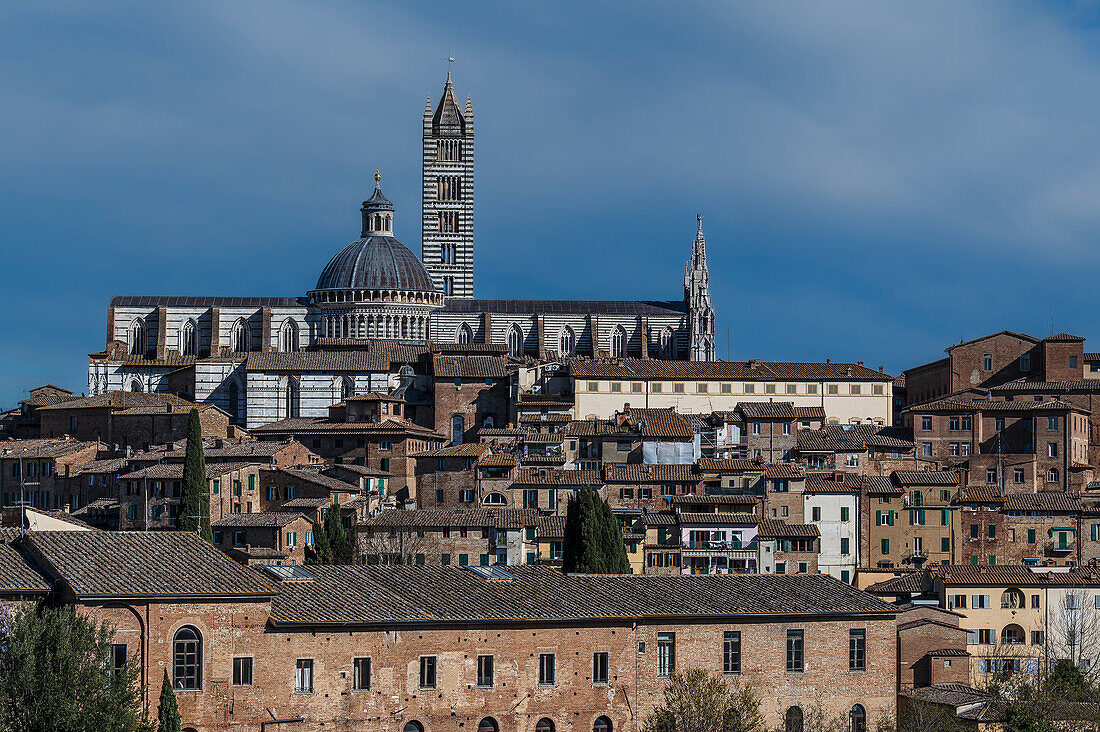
(448, 194)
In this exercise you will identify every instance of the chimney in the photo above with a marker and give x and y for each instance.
(859, 363)
(753, 363)
(880, 369)
(828, 360)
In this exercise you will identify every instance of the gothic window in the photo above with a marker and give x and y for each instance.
(135, 386)
(465, 335)
(857, 719)
(708, 348)
(567, 342)
(347, 388)
(241, 341)
(448, 253)
(137, 338)
(515, 342)
(458, 429)
(187, 339)
(448, 285)
(667, 344)
(288, 337)
(187, 658)
(234, 401)
(618, 342)
(291, 397)
(792, 720)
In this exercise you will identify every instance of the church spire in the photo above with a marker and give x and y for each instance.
(697, 299)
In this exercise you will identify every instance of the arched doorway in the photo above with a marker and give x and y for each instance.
(857, 719)
(792, 720)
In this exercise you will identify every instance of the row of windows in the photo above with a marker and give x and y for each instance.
(188, 334)
(706, 387)
(188, 662)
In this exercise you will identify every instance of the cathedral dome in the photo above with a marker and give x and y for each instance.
(375, 263)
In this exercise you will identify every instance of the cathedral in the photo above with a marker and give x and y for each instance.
(377, 307)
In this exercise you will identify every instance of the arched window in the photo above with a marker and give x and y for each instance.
(458, 429)
(347, 388)
(241, 341)
(618, 342)
(487, 422)
(857, 719)
(1012, 635)
(234, 401)
(1052, 475)
(544, 725)
(515, 342)
(603, 724)
(488, 725)
(792, 720)
(291, 397)
(495, 499)
(465, 335)
(288, 337)
(187, 658)
(1012, 599)
(135, 386)
(413, 726)
(567, 341)
(137, 338)
(667, 344)
(187, 339)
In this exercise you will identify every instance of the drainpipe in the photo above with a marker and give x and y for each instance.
(294, 720)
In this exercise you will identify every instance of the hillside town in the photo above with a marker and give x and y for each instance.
(849, 543)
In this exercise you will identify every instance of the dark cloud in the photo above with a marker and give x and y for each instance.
(879, 179)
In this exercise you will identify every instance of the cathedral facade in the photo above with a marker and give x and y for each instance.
(376, 306)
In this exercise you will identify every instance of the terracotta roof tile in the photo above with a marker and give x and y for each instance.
(629, 368)
(470, 367)
(650, 474)
(270, 519)
(776, 529)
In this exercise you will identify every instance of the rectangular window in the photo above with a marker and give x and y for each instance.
(992, 531)
(678, 388)
(796, 651)
(599, 668)
(701, 388)
(750, 388)
(845, 549)
(857, 649)
(427, 671)
(360, 674)
(811, 388)
(987, 361)
(731, 652)
(816, 513)
(118, 657)
(485, 671)
(666, 653)
(926, 424)
(303, 676)
(844, 513)
(855, 389)
(878, 389)
(727, 388)
(885, 546)
(792, 388)
(1052, 449)
(242, 671)
(945, 544)
(1025, 362)
(546, 669)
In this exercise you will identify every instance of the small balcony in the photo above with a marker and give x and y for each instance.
(1061, 547)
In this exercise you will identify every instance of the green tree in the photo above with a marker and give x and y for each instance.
(58, 674)
(696, 701)
(593, 541)
(332, 543)
(195, 499)
(168, 714)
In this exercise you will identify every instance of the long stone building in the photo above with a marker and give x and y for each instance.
(267, 358)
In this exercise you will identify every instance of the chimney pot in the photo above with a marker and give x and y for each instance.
(828, 360)
(859, 362)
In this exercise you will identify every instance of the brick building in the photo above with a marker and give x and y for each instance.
(269, 537)
(383, 648)
(1020, 446)
(150, 497)
(132, 420)
(460, 537)
(371, 431)
(470, 393)
(45, 473)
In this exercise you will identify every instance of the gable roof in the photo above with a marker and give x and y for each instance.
(374, 595)
(142, 564)
(470, 367)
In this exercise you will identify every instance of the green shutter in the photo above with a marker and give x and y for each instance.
(945, 543)
(439, 495)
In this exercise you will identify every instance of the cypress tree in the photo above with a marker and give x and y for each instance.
(593, 542)
(195, 498)
(168, 714)
(332, 543)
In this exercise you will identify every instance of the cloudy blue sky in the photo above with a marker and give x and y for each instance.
(878, 179)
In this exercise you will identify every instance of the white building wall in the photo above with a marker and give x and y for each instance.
(830, 560)
(844, 407)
